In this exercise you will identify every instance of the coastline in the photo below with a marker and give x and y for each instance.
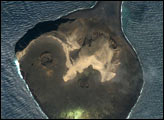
(127, 44)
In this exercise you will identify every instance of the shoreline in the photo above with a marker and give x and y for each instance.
(116, 33)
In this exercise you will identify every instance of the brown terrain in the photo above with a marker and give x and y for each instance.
(85, 68)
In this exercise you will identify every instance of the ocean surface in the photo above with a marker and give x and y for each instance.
(142, 23)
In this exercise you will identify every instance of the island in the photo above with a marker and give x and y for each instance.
(81, 65)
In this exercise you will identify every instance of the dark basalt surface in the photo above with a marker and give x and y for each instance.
(68, 65)
(39, 29)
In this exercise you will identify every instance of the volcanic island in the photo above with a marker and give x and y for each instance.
(81, 65)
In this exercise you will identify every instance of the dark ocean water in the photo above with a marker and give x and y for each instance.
(142, 25)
